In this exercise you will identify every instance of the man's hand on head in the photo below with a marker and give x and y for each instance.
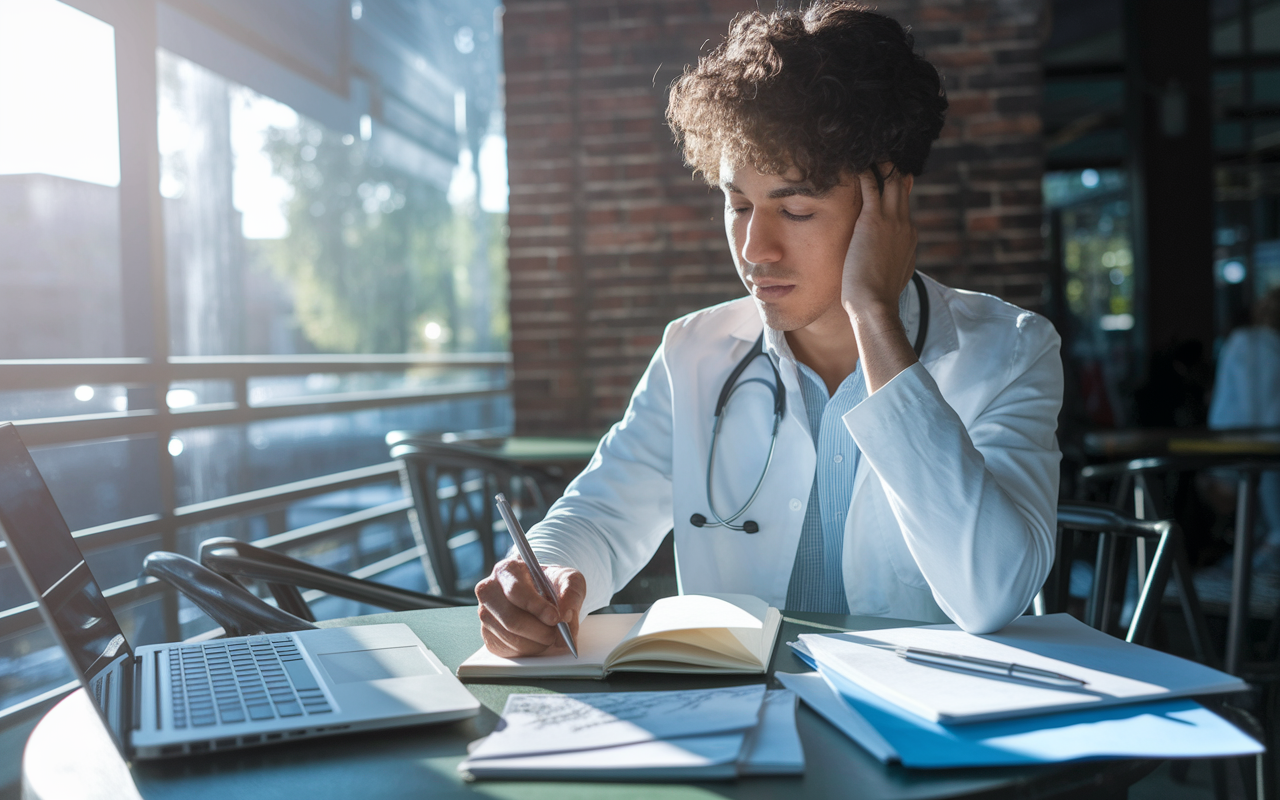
(517, 621)
(879, 264)
(882, 251)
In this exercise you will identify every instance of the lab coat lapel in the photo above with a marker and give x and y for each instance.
(940, 339)
(796, 446)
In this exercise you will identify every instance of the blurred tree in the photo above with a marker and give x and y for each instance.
(371, 252)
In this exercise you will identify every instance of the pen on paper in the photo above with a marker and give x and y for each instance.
(535, 569)
(983, 666)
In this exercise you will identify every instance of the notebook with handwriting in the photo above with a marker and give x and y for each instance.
(691, 633)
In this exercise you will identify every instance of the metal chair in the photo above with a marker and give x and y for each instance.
(453, 517)
(236, 610)
(1135, 475)
(1106, 593)
(1163, 537)
(238, 561)
(216, 586)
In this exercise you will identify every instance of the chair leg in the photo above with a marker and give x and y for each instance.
(1241, 572)
(1151, 592)
(1192, 611)
(1095, 610)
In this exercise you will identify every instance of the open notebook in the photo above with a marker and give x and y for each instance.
(691, 633)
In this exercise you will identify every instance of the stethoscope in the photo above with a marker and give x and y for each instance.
(731, 385)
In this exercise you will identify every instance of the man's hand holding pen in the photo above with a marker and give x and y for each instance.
(517, 621)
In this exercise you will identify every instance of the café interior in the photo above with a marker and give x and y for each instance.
(290, 289)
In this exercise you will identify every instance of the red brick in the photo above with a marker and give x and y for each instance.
(612, 237)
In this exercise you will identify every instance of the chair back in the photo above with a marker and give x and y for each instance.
(284, 577)
(454, 519)
(227, 603)
(1112, 528)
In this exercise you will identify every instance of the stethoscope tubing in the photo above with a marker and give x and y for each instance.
(731, 385)
(711, 460)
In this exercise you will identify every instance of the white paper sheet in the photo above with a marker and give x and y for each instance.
(774, 748)
(705, 757)
(549, 723)
(598, 634)
(814, 691)
(1115, 671)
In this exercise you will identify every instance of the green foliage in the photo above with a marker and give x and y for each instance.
(371, 252)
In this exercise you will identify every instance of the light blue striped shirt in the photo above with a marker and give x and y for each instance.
(817, 580)
(817, 577)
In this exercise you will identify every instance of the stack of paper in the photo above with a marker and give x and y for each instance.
(926, 716)
(702, 734)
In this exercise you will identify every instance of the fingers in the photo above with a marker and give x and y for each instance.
(502, 642)
(871, 199)
(893, 204)
(519, 588)
(571, 589)
(516, 620)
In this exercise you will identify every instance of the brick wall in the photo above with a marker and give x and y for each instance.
(611, 237)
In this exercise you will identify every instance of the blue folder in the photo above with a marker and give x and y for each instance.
(1159, 729)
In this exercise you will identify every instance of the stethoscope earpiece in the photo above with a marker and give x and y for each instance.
(697, 520)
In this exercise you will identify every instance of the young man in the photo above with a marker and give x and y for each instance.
(887, 446)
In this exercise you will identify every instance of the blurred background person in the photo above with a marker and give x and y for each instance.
(1246, 394)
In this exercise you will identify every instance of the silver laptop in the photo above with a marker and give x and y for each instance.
(176, 699)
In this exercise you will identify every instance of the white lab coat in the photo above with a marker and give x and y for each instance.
(953, 509)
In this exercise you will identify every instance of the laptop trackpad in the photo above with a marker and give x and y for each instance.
(372, 665)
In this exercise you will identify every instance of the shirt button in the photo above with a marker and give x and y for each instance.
(795, 504)
(839, 458)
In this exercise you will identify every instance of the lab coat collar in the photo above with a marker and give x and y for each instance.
(939, 341)
(941, 338)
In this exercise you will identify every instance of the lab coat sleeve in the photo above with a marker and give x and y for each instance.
(614, 515)
(977, 506)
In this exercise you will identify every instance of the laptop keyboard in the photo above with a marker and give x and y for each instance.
(252, 678)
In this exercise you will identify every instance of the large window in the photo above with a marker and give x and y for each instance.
(59, 185)
(319, 260)
(1089, 217)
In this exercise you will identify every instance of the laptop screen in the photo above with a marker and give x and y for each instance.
(54, 569)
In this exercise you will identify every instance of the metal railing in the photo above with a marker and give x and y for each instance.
(162, 422)
(239, 370)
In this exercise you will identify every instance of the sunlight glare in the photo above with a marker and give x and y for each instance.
(57, 93)
(257, 192)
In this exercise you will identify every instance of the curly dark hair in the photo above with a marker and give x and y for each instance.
(830, 91)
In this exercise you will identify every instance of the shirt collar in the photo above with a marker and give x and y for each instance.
(775, 341)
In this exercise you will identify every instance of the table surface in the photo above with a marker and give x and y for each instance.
(69, 754)
(530, 450)
(1126, 443)
(542, 449)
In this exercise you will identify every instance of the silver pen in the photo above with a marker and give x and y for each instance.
(535, 569)
(983, 666)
